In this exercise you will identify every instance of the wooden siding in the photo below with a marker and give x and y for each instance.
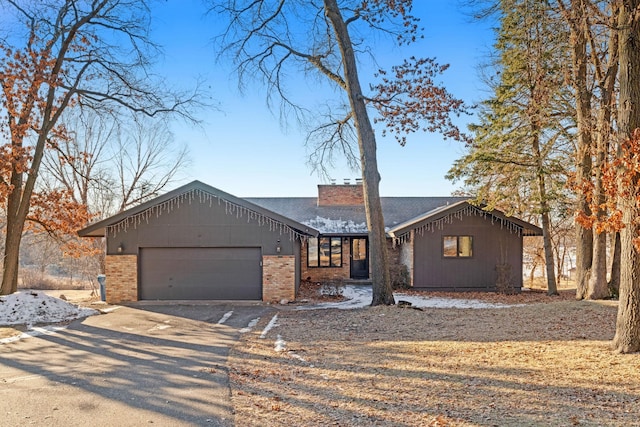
(492, 245)
(197, 224)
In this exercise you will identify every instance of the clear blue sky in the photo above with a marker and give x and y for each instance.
(242, 147)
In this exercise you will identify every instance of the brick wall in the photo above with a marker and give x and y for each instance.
(122, 278)
(278, 277)
(397, 255)
(325, 274)
(340, 195)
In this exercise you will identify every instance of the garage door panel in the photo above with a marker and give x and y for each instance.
(201, 273)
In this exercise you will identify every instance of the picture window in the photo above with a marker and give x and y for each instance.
(457, 246)
(324, 252)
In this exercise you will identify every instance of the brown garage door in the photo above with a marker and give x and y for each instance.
(200, 274)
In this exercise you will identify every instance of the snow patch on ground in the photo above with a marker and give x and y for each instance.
(32, 307)
(250, 326)
(225, 317)
(280, 344)
(360, 296)
(434, 302)
(272, 323)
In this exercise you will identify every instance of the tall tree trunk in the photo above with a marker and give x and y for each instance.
(627, 338)
(13, 237)
(18, 204)
(552, 288)
(382, 291)
(596, 283)
(614, 282)
(584, 236)
(598, 287)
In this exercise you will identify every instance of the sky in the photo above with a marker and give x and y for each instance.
(243, 148)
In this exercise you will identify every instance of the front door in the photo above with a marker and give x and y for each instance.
(359, 258)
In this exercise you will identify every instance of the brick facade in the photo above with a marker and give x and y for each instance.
(398, 255)
(326, 274)
(122, 278)
(278, 277)
(278, 273)
(340, 195)
(278, 282)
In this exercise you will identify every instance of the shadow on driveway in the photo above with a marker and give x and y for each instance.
(135, 366)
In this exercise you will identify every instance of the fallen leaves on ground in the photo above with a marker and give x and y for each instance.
(542, 363)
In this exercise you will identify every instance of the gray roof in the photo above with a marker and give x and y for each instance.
(351, 219)
(304, 215)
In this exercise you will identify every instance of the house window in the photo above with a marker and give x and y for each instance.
(457, 246)
(324, 252)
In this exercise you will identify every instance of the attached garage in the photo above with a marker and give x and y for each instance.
(200, 274)
(199, 243)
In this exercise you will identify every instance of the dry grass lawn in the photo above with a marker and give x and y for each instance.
(544, 363)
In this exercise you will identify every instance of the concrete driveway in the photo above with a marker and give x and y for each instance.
(164, 365)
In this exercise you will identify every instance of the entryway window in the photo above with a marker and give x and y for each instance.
(457, 246)
(324, 252)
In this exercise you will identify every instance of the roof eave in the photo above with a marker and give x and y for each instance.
(408, 225)
(528, 229)
(98, 229)
(91, 231)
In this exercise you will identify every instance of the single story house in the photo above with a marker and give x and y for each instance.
(198, 242)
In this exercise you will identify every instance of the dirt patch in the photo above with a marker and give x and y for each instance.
(11, 331)
(540, 363)
(78, 297)
(313, 292)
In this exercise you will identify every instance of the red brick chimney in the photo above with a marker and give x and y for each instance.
(341, 194)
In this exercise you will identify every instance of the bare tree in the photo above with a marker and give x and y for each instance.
(146, 160)
(328, 39)
(110, 162)
(61, 54)
(80, 163)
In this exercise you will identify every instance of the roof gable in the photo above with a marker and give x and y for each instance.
(442, 215)
(203, 192)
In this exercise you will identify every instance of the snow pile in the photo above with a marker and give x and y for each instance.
(360, 296)
(355, 297)
(328, 225)
(31, 307)
(280, 344)
(434, 302)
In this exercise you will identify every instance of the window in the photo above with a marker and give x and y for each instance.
(324, 252)
(457, 246)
